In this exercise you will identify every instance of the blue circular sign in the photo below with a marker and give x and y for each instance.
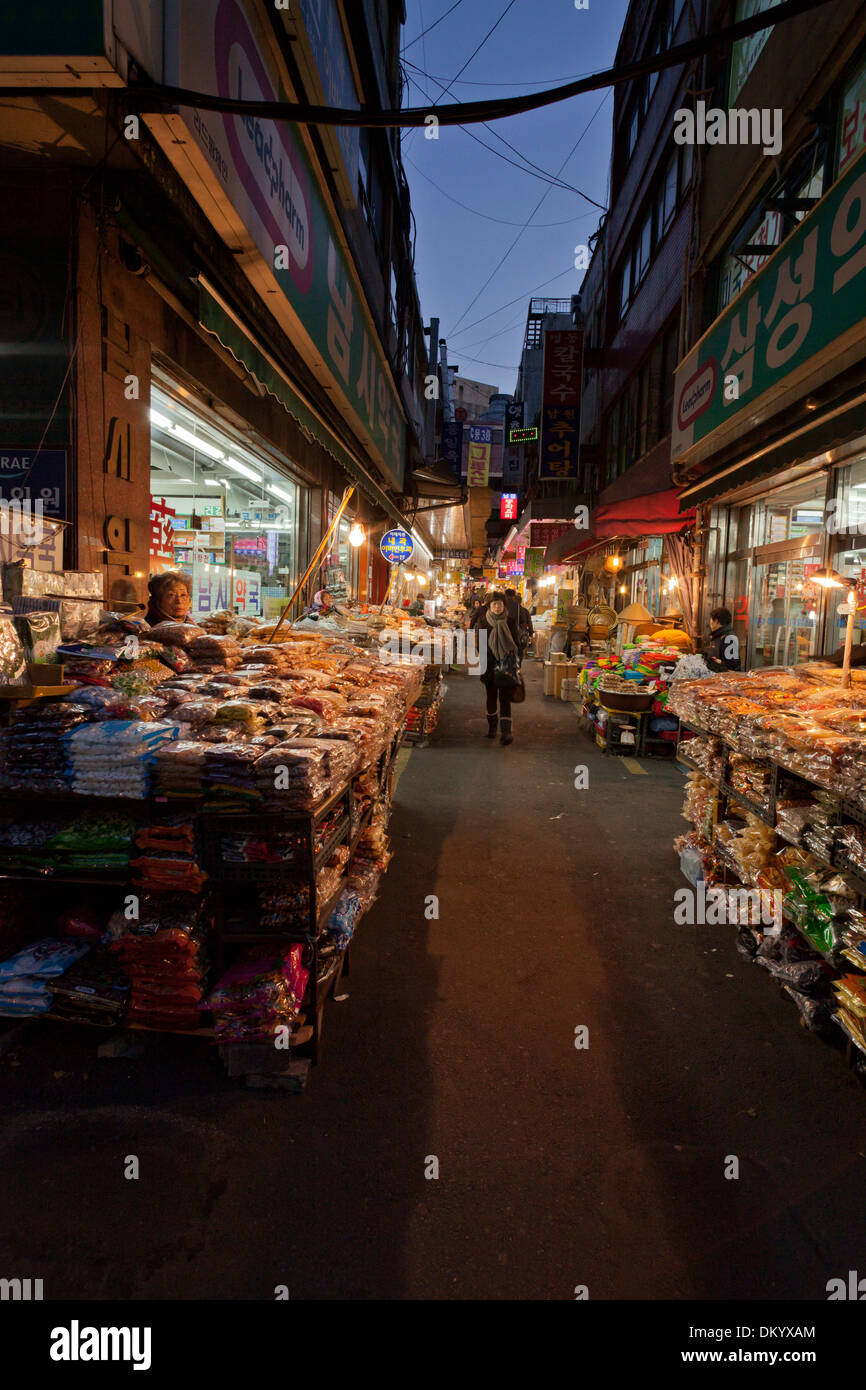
(396, 546)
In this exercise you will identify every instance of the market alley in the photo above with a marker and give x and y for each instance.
(558, 1166)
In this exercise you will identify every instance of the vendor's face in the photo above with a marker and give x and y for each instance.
(714, 624)
(497, 607)
(175, 600)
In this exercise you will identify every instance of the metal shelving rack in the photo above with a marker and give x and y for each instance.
(848, 810)
(210, 824)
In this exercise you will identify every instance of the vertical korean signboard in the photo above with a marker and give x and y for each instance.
(512, 454)
(478, 464)
(560, 409)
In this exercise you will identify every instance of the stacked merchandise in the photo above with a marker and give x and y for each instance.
(259, 995)
(200, 722)
(707, 753)
(795, 742)
(25, 977)
(164, 952)
(91, 844)
(93, 991)
(33, 754)
(115, 758)
(167, 859)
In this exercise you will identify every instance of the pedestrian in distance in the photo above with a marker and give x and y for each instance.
(525, 630)
(500, 676)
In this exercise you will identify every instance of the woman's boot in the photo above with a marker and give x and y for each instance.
(505, 736)
(492, 721)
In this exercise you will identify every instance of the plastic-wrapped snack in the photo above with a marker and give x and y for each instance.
(24, 977)
(170, 634)
(260, 992)
(13, 658)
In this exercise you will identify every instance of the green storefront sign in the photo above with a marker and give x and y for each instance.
(809, 299)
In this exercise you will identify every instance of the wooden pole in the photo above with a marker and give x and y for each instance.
(395, 570)
(849, 642)
(311, 567)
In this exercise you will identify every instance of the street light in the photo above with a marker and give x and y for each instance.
(828, 578)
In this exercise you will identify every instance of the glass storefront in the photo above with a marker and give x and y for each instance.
(760, 560)
(221, 509)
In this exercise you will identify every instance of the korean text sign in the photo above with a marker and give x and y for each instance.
(809, 297)
(560, 410)
(261, 169)
(478, 464)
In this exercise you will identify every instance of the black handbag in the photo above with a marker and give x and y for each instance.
(505, 672)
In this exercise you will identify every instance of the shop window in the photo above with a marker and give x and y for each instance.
(792, 513)
(219, 510)
(852, 119)
(746, 52)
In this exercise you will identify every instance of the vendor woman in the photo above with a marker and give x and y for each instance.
(170, 598)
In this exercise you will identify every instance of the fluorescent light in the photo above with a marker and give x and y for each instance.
(280, 492)
(201, 444)
(212, 482)
(244, 471)
(226, 484)
(418, 541)
(162, 422)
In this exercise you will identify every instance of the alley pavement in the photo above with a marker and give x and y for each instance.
(453, 1142)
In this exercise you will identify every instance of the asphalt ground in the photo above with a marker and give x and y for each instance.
(516, 910)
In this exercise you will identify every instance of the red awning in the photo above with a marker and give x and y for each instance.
(653, 514)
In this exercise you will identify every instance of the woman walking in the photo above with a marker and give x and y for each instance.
(500, 675)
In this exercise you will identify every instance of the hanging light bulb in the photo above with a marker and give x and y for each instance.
(357, 535)
(622, 588)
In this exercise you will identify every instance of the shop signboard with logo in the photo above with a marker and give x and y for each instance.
(254, 180)
(803, 309)
(396, 546)
(542, 533)
(34, 475)
(508, 506)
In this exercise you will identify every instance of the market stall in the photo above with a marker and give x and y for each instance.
(200, 823)
(776, 797)
(625, 698)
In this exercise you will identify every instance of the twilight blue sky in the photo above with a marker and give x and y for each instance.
(539, 43)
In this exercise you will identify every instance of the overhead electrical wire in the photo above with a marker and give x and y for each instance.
(504, 257)
(502, 221)
(145, 95)
(542, 175)
(432, 26)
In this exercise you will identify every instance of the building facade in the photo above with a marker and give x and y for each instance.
(212, 326)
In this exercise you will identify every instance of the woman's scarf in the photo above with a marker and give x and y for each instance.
(499, 639)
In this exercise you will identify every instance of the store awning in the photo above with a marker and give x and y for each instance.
(653, 514)
(216, 318)
(567, 547)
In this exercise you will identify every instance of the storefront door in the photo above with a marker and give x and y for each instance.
(783, 624)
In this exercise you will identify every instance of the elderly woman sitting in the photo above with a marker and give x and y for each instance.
(170, 598)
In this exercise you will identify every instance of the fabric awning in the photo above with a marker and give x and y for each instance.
(652, 514)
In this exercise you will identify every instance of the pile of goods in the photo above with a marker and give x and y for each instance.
(801, 719)
(173, 723)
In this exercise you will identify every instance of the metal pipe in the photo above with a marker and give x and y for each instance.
(311, 568)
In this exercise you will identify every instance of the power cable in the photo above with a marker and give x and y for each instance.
(145, 95)
(506, 254)
(503, 222)
(429, 30)
(542, 175)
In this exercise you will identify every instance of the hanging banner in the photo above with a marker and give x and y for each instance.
(478, 463)
(533, 560)
(560, 410)
(451, 448)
